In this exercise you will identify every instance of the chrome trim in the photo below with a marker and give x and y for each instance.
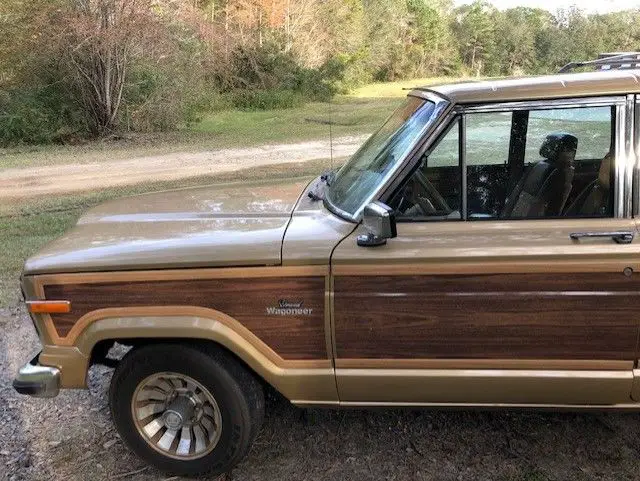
(542, 407)
(630, 157)
(635, 151)
(462, 154)
(439, 112)
(546, 104)
(343, 214)
(620, 164)
(37, 381)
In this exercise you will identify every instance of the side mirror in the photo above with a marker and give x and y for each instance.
(380, 222)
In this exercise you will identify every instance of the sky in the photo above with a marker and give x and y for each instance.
(591, 6)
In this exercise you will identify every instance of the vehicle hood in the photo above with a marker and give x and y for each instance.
(239, 225)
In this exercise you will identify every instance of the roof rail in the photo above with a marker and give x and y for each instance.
(607, 61)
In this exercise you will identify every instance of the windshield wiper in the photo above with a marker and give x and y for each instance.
(328, 177)
(314, 196)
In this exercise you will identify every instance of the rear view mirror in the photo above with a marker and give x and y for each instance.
(380, 222)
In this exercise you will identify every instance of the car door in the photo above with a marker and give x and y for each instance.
(474, 303)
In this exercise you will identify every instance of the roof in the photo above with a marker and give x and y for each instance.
(590, 84)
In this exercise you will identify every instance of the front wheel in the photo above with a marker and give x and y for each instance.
(186, 409)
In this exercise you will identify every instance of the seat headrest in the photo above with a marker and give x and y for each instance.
(558, 143)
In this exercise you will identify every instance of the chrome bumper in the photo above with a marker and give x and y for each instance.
(37, 381)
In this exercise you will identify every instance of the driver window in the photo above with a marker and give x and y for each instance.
(433, 192)
(520, 164)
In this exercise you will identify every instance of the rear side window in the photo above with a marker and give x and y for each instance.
(591, 125)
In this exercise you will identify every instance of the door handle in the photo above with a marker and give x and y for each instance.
(620, 237)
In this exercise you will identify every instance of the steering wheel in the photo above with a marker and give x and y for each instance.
(427, 197)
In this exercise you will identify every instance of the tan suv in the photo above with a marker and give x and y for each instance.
(479, 250)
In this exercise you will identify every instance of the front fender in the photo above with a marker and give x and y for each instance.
(299, 381)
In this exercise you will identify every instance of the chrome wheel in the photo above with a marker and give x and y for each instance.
(176, 415)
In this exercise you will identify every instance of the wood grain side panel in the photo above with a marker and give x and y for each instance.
(503, 316)
(246, 300)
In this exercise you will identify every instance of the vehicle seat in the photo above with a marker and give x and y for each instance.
(545, 186)
(595, 198)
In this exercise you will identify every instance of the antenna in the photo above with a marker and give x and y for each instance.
(330, 123)
(331, 135)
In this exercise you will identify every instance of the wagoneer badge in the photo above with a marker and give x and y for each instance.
(288, 308)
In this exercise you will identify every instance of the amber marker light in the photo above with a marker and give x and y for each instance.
(49, 307)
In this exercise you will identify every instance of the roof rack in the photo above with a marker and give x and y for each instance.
(608, 61)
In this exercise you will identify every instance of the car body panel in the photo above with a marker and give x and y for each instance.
(206, 226)
(509, 295)
(313, 231)
(543, 87)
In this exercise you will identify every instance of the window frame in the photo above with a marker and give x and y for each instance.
(626, 165)
(633, 136)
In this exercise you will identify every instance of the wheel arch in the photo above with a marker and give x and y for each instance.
(298, 381)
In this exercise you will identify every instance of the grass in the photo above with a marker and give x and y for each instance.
(398, 89)
(220, 130)
(358, 113)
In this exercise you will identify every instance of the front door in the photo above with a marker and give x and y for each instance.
(515, 276)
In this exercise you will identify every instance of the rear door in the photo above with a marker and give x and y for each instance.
(471, 306)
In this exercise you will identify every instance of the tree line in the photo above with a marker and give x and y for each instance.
(79, 68)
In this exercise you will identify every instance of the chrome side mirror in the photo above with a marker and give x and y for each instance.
(380, 222)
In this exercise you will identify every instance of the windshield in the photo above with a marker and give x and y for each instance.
(375, 161)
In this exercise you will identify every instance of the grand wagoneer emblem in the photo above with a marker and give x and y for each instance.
(288, 308)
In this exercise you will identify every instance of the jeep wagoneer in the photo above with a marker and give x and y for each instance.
(480, 249)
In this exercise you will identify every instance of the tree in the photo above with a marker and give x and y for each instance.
(474, 27)
(101, 39)
(519, 31)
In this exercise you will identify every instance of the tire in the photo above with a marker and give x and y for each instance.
(237, 407)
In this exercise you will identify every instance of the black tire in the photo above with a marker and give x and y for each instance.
(237, 392)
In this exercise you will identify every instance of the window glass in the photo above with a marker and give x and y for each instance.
(591, 125)
(433, 191)
(488, 138)
(371, 165)
(568, 165)
(520, 165)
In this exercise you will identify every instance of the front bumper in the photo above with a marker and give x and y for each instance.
(37, 381)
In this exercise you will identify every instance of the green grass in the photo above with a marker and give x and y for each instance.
(398, 89)
(220, 130)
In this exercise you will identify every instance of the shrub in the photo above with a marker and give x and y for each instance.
(268, 78)
(39, 115)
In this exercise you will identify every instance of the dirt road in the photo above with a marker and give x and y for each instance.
(71, 437)
(58, 179)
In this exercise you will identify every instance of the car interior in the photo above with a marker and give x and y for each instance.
(559, 184)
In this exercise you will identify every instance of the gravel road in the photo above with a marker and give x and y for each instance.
(20, 183)
(71, 438)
